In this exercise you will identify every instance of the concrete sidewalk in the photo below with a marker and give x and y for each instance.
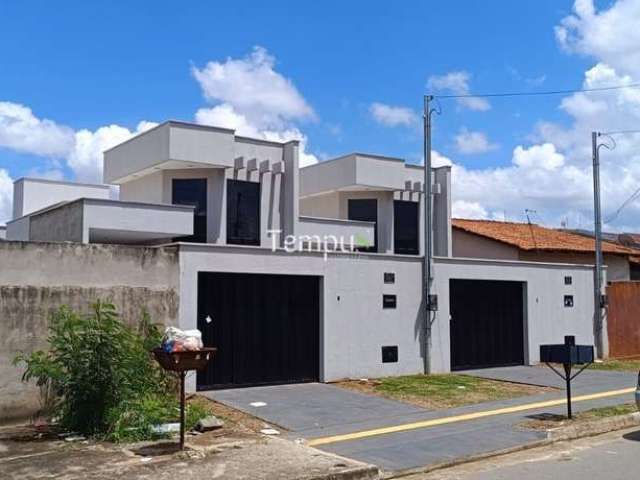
(318, 412)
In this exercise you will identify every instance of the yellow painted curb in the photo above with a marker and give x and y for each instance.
(462, 418)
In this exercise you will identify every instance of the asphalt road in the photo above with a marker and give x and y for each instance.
(613, 456)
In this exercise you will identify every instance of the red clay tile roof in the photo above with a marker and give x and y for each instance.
(534, 237)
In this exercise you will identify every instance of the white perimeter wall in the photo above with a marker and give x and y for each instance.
(354, 326)
(547, 320)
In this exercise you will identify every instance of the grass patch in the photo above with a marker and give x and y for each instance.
(442, 391)
(612, 411)
(631, 365)
(546, 421)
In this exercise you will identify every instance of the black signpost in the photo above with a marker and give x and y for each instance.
(568, 354)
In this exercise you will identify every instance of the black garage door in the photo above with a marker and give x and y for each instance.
(487, 323)
(266, 328)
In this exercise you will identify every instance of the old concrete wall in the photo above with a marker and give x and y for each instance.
(62, 224)
(37, 278)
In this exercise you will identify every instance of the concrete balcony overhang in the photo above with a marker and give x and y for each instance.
(178, 145)
(360, 172)
(113, 221)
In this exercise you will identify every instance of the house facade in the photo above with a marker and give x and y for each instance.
(531, 242)
(315, 273)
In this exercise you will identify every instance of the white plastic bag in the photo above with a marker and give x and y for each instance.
(176, 340)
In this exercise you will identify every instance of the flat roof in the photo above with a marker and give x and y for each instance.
(199, 126)
(62, 182)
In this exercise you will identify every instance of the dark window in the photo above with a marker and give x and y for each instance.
(389, 277)
(568, 300)
(388, 301)
(243, 212)
(365, 210)
(390, 354)
(192, 191)
(405, 227)
(568, 280)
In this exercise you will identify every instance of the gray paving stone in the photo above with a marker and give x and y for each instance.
(312, 405)
(318, 410)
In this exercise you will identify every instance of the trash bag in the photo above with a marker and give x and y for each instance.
(176, 340)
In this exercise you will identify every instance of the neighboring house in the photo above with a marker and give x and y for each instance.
(533, 243)
(243, 217)
(3, 232)
(629, 240)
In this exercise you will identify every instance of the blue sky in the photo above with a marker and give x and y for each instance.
(86, 65)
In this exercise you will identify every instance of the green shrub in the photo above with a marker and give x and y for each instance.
(101, 375)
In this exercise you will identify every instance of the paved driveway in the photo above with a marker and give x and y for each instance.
(315, 411)
(313, 406)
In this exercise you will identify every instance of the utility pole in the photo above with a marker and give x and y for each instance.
(597, 274)
(428, 222)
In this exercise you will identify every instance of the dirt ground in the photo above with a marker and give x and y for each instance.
(235, 451)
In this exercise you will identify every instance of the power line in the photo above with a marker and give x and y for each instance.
(620, 132)
(531, 94)
(624, 204)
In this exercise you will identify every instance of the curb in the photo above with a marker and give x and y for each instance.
(560, 434)
(594, 427)
(366, 472)
(362, 471)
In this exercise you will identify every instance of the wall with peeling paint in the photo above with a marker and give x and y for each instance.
(37, 278)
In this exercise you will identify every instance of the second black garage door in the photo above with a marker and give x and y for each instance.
(487, 323)
(266, 328)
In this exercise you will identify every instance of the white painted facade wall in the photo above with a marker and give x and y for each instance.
(32, 194)
(354, 326)
(546, 318)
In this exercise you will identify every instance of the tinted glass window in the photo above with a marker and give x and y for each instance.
(192, 191)
(243, 212)
(405, 227)
(365, 210)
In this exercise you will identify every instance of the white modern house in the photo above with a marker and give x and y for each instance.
(309, 274)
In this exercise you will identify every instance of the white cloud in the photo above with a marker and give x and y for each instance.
(225, 116)
(554, 176)
(542, 156)
(465, 209)
(457, 83)
(469, 142)
(22, 131)
(254, 100)
(611, 35)
(6, 196)
(393, 116)
(254, 89)
(527, 183)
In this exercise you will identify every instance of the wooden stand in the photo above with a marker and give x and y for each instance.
(181, 362)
